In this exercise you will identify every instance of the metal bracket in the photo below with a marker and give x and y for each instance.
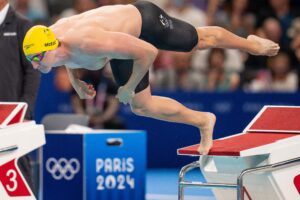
(239, 186)
(8, 149)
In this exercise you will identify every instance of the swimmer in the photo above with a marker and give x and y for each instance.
(129, 36)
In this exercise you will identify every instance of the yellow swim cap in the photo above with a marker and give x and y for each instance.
(38, 39)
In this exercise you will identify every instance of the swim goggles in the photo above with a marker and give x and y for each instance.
(37, 57)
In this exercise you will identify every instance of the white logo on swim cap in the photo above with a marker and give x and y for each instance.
(63, 168)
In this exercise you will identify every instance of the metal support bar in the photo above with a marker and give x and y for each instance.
(8, 149)
(208, 185)
(275, 166)
(239, 186)
(182, 184)
(182, 173)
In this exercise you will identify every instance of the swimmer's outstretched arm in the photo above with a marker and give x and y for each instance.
(217, 37)
(84, 90)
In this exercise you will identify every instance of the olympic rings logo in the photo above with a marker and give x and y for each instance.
(63, 168)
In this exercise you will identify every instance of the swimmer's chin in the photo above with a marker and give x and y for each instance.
(45, 70)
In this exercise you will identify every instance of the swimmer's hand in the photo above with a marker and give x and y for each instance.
(125, 95)
(84, 90)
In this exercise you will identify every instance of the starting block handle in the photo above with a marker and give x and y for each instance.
(183, 184)
(9, 149)
(286, 163)
(239, 186)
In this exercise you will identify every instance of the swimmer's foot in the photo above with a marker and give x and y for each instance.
(206, 132)
(263, 47)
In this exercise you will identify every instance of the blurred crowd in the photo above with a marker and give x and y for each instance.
(229, 70)
(215, 69)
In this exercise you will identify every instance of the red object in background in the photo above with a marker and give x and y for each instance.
(297, 183)
(12, 180)
(5, 111)
(15, 112)
(275, 118)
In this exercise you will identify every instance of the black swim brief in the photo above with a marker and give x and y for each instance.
(162, 31)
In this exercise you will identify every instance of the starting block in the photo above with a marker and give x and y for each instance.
(262, 163)
(17, 138)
